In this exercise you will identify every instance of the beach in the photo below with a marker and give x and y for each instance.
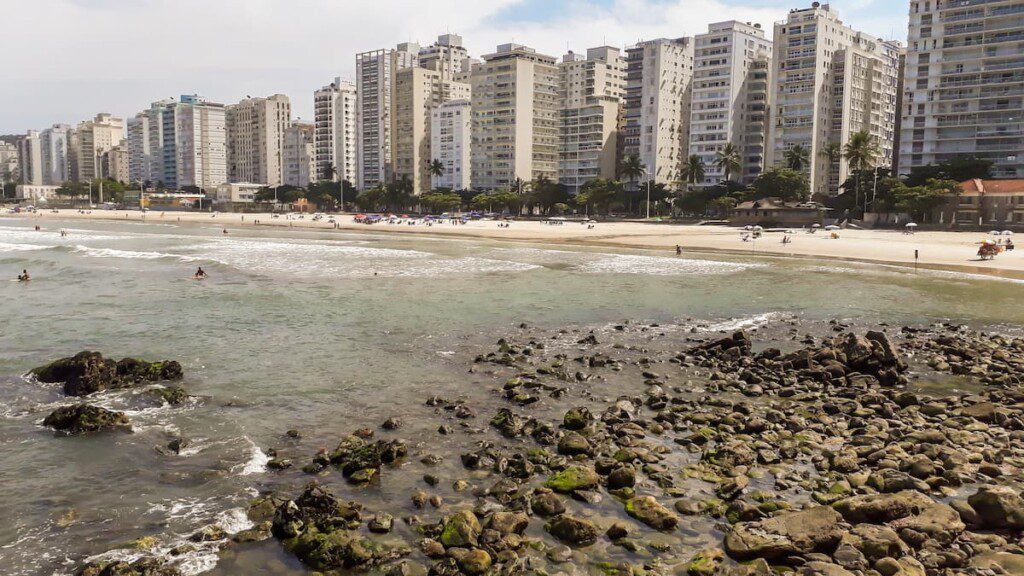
(940, 250)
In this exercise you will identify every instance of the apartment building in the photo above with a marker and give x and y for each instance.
(375, 72)
(964, 84)
(56, 149)
(416, 92)
(451, 133)
(591, 91)
(30, 159)
(96, 137)
(515, 117)
(334, 119)
(255, 139)
(9, 170)
(446, 56)
(659, 82)
(179, 143)
(299, 155)
(115, 163)
(829, 82)
(731, 100)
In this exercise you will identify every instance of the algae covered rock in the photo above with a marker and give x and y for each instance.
(573, 531)
(572, 479)
(85, 419)
(647, 510)
(89, 372)
(461, 530)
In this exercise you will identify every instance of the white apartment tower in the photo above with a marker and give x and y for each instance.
(299, 155)
(9, 170)
(446, 56)
(659, 79)
(591, 91)
(515, 117)
(334, 109)
(30, 159)
(179, 143)
(964, 88)
(416, 92)
(56, 154)
(255, 135)
(730, 103)
(830, 82)
(451, 129)
(96, 137)
(375, 72)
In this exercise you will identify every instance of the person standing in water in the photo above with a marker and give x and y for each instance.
(200, 274)
(24, 277)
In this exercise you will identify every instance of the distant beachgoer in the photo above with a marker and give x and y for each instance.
(225, 230)
(24, 277)
(200, 274)
(37, 228)
(679, 250)
(1009, 244)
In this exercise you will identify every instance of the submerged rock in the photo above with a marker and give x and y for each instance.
(89, 372)
(647, 510)
(811, 530)
(573, 531)
(85, 418)
(572, 479)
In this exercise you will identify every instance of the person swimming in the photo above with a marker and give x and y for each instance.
(200, 274)
(24, 277)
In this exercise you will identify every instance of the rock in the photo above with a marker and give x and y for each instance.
(823, 569)
(577, 419)
(432, 548)
(473, 562)
(1006, 562)
(546, 505)
(647, 510)
(211, 533)
(315, 509)
(705, 563)
(177, 445)
(257, 533)
(622, 477)
(938, 521)
(508, 522)
(407, 568)
(85, 419)
(146, 566)
(391, 424)
(338, 549)
(461, 530)
(380, 523)
(875, 542)
(572, 531)
(616, 531)
(279, 463)
(89, 372)
(905, 566)
(880, 508)
(173, 395)
(573, 478)
(810, 530)
(573, 443)
(998, 507)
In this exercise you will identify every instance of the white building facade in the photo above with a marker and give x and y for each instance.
(451, 128)
(299, 155)
(255, 139)
(375, 71)
(334, 109)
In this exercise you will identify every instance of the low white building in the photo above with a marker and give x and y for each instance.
(238, 192)
(35, 192)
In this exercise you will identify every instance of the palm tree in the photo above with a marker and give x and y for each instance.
(797, 157)
(436, 168)
(632, 168)
(833, 151)
(728, 160)
(861, 151)
(692, 171)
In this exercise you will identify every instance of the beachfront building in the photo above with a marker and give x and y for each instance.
(829, 82)
(255, 139)
(35, 193)
(9, 169)
(416, 92)
(30, 159)
(447, 56)
(590, 92)
(334, 118)
(515, 118)
(964, 89)
(984, 204)
(730, 103)
(659, 80)
(96, 137)
(115, 163)
(375, 71)
(299, 155)
(185, 142)
(230, 193)
(451, 128)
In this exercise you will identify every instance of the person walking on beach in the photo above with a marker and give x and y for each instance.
(679, 250)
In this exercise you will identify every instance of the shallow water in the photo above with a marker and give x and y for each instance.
(328, 332)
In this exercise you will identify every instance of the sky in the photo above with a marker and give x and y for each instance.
(67, 60)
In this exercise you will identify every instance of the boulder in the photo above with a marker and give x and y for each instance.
(647, 510)
(508, 522)
(314, 509)
(998, 507)
(146, 566)
(811, 530)
(875, 542)
(573, 531)
(89, 372)
(337, 549)
(462, 529)
(85, 419)
(573, 444)
(881, 508)
(572, 479)
(546, 505)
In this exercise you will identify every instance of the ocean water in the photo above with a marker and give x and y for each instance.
(325, 333)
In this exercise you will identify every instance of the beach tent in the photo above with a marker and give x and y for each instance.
(1007, 233)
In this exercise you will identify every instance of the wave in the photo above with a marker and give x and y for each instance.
(746, 323)
(130, 254)
(661, 266)
(11, 247)
(257, 462)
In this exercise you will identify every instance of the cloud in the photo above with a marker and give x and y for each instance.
(71, 59)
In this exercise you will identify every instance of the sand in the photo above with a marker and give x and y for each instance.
(936, 250)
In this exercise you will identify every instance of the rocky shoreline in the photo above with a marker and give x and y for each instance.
(728, 455)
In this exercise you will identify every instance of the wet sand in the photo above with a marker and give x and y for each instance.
(936, 250)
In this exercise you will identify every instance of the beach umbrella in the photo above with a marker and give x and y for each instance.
(815, 225)
(911, 225)
(833, 227)
(758, 229)
(995, 232)
(1007, 233)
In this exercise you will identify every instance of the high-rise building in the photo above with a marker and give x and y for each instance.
(56, 152)
(451, 131)
(95, 138)
(591, 89)
(185, 143)
(830, 82)
(115, 163)
(730, 103)
(375, 73)
(446, 56)
(334, 109)
(9, 170)
(416, 93)
(515, 117)
(964, 85)
(30, 159)
(299, 155)
(255, 131)
(659, 81)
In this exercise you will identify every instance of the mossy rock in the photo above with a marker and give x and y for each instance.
(340, 549)
(461, 530)
(572, 479)
(705, 562)
(85, 419)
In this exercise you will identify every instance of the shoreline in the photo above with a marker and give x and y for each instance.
(940, 251)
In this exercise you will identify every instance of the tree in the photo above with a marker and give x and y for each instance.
(329, 171)
(436, 168)
(728, 160)
(598, 193)
(546, 194)
(437, 201)
(861, 151)
(797, 157)
(73, 189)
(787, 184)
(692, 171)
(832, 151)
(398, 194)
(918, 201)
(958, 169)
(370, 199)
(632, 168)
